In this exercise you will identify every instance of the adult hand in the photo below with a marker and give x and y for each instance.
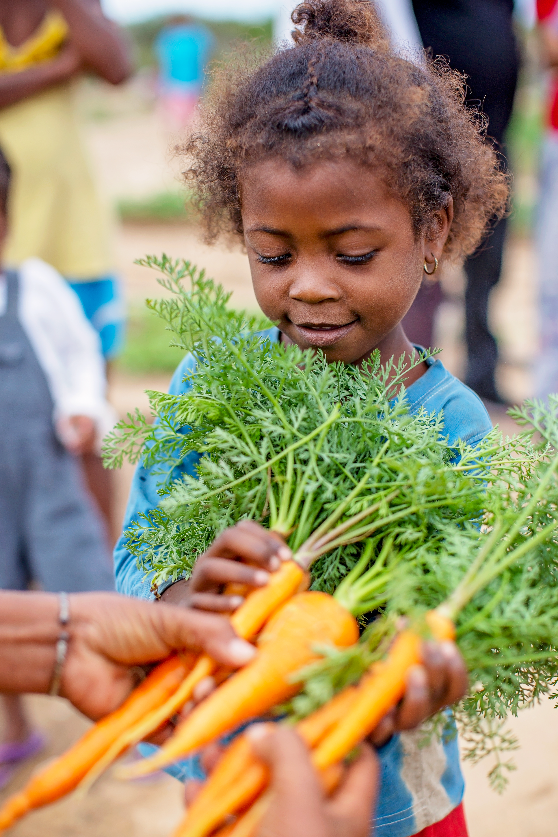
(109, 636)
(299, 807)
(243, 555)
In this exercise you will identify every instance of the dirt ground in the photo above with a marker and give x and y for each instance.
(131, 157)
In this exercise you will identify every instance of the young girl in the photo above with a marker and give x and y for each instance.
(347, 173)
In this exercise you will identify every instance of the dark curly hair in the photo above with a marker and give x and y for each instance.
(341, 91)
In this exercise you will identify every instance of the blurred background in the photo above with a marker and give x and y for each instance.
(132, 134)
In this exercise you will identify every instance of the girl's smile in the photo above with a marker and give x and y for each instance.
(335, 260)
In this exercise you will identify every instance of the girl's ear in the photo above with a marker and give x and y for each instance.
(437, 231)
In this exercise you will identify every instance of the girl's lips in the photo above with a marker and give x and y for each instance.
(323, 335)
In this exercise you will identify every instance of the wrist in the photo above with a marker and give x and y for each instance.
(29, 631)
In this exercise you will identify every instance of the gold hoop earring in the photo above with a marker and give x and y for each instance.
(434, 269)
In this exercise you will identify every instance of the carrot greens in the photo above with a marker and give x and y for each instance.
(368, 493)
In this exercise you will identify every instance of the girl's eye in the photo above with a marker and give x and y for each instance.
(364, 259)
(276, 260)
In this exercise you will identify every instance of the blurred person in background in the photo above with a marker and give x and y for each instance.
(546, 368)
(183, 48)
(478, 39)
(55, 212)
(52, 409)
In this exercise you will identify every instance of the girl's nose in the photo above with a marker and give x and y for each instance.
(313, 287)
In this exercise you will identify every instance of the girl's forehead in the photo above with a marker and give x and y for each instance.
(336, 187)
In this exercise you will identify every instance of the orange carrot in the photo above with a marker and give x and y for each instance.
(240, 776)
(285, 646)
(250, 617)
(64, 774)
(381, 689)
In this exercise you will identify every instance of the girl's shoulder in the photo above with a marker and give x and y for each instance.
(465, 416)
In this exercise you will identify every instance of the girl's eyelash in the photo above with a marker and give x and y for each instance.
(277, 260)
(364, 259)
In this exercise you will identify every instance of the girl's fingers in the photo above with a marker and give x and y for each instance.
(437, 673)
(447, 673)
(250, 542)
(458, 675)
(384, 730)
(416, 705)
(215, 603)
(210, 573)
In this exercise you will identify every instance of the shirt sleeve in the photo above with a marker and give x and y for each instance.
(65, 343)
(144, 496)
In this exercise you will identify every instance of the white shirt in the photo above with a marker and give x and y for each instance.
(65, 344)
(397, 16)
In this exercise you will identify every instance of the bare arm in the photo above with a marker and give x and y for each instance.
(14, 87)
(109, 634)
(99, 41)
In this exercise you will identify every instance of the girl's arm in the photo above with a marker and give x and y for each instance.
(99, 41)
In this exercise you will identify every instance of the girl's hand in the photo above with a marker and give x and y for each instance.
(243, 555)
(440, 681)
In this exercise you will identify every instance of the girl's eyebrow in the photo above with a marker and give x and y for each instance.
(328, 234)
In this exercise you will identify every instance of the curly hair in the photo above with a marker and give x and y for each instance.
(341, 91)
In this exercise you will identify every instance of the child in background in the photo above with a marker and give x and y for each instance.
(56, 212)
(348, 173)
(52, 408)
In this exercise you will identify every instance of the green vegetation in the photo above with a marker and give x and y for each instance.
(228, 35)
(162, 207)
(147, 348)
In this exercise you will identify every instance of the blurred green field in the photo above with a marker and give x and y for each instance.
(147, 346)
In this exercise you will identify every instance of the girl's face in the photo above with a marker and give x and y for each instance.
(333, 255)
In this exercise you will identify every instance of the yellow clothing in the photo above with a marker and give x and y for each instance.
(41, 46)
(55, 213)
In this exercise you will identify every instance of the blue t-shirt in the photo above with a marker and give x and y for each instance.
(420, 784)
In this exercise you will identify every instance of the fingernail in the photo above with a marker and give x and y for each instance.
(274, 563)
(257, 731)
(241, 651)
(284, 553)
(235, 601)
(261, 577)
(448, 649)
(417, 677)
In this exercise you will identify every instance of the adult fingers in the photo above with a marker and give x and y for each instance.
(352, 804)
(204, 632)
(297, 807)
